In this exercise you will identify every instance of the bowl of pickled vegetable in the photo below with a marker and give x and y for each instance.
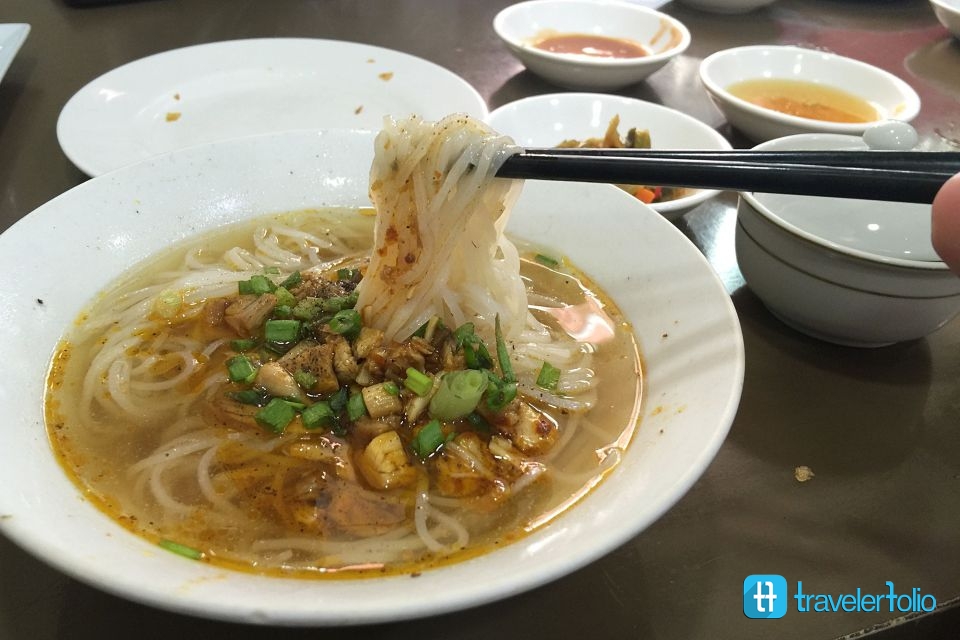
(607, 121)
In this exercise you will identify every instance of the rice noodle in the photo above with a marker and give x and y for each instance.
(441, 250)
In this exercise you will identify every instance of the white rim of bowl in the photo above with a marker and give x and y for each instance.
(770, 216)
(911, 98)
(590, 61)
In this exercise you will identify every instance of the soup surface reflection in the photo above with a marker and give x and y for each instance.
(183, 407)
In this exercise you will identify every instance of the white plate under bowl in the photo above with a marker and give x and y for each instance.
(546, 120)
(223, 90)
(685, 323)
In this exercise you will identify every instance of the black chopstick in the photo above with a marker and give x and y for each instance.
(871, 179)
(911, 160)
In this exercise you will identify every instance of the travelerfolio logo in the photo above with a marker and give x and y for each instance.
(765, 596)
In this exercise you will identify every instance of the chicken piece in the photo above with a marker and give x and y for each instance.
(367, 428)
(317, 285)
(315, 359)
(530, 431)
(225, 411)
(450, 359)
(327, 449)
(368, 340)
(465, 468)
(510, 463)
(384, 463)
(380, 402)
(309, 498)
(310, 517)
(277, 381)
(444, 356)
(345, 367)
(248, 313)
(393, 360)
(213, 311)
(363, 513)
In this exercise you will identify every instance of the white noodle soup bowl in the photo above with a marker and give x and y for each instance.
(891, 97)
(547, 120)
(521, 25)
(683, 319)
(853, 272)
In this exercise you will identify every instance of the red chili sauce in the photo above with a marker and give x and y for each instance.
(591, 45)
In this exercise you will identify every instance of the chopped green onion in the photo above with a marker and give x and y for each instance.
(337, 304)
(261, 284)
(305, 379)
(477, 358)
(419, 383)
(168, 303)
(348, 275)
(346, 323)
(317, 415)
(308, 309)
(283, 312)
(421, 331)
(548, 377)
(270, 351)
(356, 408)
(244, 288)
(284, 297)
(502, 354)
(391, 387)
(281, 331)
(251, 396)
(243, 345)
(292, 280)
(273, 271)
(475, 352)
(478, 422)
(458, 394)
(339, 400)
(240, 369)
(277, 414)
(429, 328)
(500, 393)
(181, 549)
(428, 439)
(464, 334)
(546, 261)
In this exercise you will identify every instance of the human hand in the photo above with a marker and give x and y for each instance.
(945, 231)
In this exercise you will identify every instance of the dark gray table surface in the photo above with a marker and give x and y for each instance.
(880, 428)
